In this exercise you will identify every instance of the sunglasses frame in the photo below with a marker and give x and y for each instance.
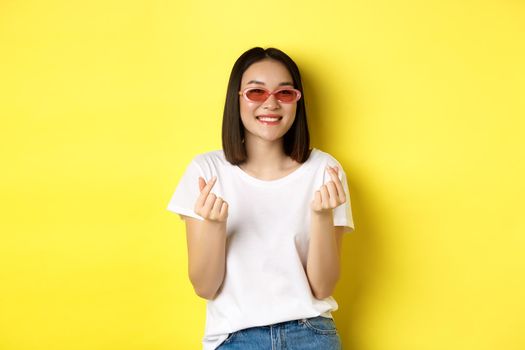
(244, 92)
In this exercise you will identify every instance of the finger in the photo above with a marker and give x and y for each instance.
(198, 202)
(208, 204)
(216, 209)
(325, 197)
(317, 200)
(224, 211)
(332, 191)
(205, 191)
(338, 185)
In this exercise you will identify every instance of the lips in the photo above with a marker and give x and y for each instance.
(270, 115)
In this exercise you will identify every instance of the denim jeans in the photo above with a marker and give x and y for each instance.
(316, 333)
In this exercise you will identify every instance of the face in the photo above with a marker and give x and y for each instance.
(271, 75)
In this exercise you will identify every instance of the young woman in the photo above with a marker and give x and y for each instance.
(265, 217)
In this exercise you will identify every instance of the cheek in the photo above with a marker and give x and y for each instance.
(246, 112)
(245, 109)
(291, 110)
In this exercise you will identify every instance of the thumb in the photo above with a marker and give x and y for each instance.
(202, 183)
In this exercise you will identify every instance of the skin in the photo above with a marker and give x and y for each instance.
(264, 144)
(266, 161)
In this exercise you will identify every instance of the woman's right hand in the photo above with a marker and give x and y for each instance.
(208, 205)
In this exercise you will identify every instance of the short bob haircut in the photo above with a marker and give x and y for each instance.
(297, 138)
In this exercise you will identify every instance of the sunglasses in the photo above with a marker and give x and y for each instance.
(284, 95)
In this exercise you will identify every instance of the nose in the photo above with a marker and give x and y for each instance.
(271, 103)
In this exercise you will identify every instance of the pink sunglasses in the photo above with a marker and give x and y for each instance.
(283, 95)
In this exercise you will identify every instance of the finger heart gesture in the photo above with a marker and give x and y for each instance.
(208, 205)
(330, 195)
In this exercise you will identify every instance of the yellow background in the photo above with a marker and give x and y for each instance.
(104, 103)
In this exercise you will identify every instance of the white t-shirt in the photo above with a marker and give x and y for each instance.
(267, 241)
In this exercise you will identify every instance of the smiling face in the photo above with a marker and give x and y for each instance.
(271, 75)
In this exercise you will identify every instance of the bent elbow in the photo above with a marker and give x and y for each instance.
(205, 293)
(324, 291)
(322, 295)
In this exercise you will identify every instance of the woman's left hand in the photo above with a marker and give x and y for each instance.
(330, 195)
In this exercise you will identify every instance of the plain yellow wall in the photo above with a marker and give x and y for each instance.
(104, 103)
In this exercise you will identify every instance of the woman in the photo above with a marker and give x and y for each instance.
(265, 217)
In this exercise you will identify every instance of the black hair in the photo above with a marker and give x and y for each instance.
(297, 138)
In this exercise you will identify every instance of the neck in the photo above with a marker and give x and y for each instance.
(265, 156)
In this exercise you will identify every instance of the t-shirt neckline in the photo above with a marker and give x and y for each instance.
(280, 180)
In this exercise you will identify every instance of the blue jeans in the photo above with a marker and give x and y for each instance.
(316, 333)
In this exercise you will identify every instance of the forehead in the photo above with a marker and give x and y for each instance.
(268, 71)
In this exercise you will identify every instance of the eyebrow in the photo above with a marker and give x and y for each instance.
(261, 83)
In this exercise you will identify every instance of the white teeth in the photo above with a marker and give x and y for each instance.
(268, 119)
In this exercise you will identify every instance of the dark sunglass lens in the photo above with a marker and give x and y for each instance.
(286, 95)
(256, 94)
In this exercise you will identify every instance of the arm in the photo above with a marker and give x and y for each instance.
(206, 255)
(207, 242)
(324, 252)
(323, 262)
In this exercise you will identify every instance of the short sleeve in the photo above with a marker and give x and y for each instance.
(343, 213)
(183, 200)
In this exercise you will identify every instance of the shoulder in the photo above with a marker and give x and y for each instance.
(211, 159)
(322, 158)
